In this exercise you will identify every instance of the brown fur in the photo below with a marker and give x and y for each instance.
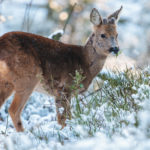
(27, 59)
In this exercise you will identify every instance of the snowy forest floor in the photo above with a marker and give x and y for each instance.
(113, 114)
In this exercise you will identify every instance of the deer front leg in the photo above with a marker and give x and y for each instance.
(21, 96)
(16, 108)
(15, 111)
(63, 110)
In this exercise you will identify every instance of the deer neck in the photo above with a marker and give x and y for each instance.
(94, 60)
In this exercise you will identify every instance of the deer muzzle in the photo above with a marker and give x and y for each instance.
(114, 49)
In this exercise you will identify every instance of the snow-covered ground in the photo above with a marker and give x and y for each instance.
(43, 133)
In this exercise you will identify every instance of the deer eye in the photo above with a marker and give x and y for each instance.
(103, 36)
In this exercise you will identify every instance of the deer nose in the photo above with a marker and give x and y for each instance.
(114, 49)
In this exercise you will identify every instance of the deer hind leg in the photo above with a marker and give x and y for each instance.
(6, 90)
(19, 101)
(63, 110)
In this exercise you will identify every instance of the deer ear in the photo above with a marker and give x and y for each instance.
(95, 17)
(115, 14)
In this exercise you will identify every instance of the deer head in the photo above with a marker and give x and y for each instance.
(105, 33)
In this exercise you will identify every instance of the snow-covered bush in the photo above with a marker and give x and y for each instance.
(114, 105)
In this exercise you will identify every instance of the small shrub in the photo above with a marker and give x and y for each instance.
(110, 108)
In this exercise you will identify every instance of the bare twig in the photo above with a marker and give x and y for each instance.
(59, 35)
(92, 93)
(26, 16)
(70, 14)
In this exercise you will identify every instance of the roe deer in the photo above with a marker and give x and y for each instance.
(25, 56)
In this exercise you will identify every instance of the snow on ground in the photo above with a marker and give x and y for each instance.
(43, 133)
(39, 119)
